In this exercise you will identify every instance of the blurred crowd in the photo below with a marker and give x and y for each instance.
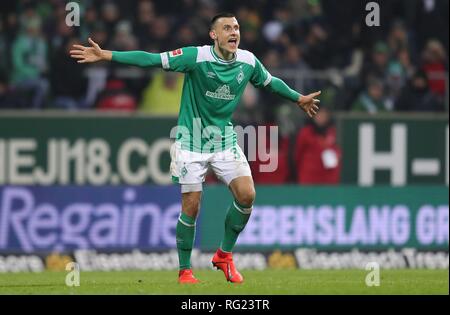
(401, 65)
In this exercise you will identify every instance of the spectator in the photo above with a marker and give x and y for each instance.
(158, 35)
(110, 15)
(250, 26)
(185, 36)
(404, 58)
(68, 81)
(372, 99)
(416, 96)
(249, 111)
(116, 97)
(146, 14)
(29, 58)
(274, 31)
(434, 65)
(292, 34)
(317, 51)
(163, 94)
(97, 74)
(294, 59)
(395, 81)
(124, 38)
(8, 98)
(378, 65)
(100, 34)
(56, 29)
(89, 20)
(272, 59)
(398, 37)
(316, 154)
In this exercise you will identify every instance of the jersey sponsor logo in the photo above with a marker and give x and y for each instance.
(176, 52)
(222, 93)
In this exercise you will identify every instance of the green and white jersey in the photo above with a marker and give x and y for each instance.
(211, 91)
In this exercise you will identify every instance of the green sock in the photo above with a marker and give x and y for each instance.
(235, 221)
(185, 235)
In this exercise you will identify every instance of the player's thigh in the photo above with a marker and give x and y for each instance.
(231, 164)
(188, 168)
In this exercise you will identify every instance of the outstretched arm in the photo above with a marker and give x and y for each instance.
(306, 102)
(95, 54)
(262, 78)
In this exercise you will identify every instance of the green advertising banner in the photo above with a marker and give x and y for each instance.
(104, 149)
(65, 149)
(333, 218)
(394, 149)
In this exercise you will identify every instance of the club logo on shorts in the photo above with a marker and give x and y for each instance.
(184, 171)
(176, 52)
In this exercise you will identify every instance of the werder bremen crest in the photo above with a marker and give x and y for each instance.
(240, 76)
(222, 93)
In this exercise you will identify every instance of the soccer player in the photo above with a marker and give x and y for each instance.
(215, 79)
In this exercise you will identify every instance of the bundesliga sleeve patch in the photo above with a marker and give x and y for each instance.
(176, 52)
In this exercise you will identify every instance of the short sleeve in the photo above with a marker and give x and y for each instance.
(179, 60)
(260, 77)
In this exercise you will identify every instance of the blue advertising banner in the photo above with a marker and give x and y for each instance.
(34, 219)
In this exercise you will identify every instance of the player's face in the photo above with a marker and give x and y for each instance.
(226, 32)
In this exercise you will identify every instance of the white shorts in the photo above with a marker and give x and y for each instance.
(189, 168)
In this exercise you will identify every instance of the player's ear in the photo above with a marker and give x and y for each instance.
(212, 34)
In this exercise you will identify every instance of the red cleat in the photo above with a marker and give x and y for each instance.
(224, 262)
(186, 276)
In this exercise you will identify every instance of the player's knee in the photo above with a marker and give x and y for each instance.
(246, 197)
(191, 204)
(192, 208)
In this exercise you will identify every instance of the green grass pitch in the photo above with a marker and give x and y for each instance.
(295, 282)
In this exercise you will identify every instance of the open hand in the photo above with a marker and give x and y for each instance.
(89, 54)
(309, 103)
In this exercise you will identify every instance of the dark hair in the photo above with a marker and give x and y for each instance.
(218, 16)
